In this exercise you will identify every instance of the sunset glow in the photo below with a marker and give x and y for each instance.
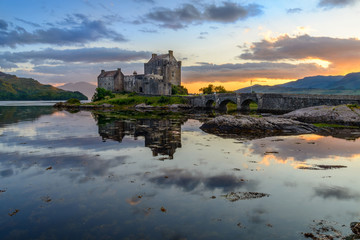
(223, 42)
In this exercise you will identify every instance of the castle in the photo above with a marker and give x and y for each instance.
(160, 73)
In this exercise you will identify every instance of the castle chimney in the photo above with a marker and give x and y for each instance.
(102, 71)
(171, 53)
(119, 69)
(154, 55)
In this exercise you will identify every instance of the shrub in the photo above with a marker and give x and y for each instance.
(164, 99)
(73, 101)
(101, 93)
(178, 90)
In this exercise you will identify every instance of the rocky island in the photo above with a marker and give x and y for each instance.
(324, 120)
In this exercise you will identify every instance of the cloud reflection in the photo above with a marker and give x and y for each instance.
(189, 181)
(296, 150)
(335, 192)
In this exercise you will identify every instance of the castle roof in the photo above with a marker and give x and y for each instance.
(162, 56)
(108, 73)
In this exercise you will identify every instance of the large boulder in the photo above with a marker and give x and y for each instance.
(254, 127)
(342, 114)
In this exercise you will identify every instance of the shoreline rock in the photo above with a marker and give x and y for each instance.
(252, 127)
(62, 105)
(342, 114)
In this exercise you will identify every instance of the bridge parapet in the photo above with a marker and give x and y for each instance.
(270, 102)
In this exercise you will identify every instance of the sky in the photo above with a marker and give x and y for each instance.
(228, 43)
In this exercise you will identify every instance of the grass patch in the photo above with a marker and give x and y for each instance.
(131, 99)
(231, 107)
(353, 106)
(253, 106)
(326, 125)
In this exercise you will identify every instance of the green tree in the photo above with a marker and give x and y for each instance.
(211, 89)
(178, 90)
(207, 90)
(101, 93)
(220, 89)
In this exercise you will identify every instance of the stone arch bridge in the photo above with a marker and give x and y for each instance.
(269, 102)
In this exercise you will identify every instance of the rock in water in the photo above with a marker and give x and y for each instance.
(253, 127)
(342, 114)
(355, 227)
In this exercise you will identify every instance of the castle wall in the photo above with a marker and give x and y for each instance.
(119, 82)
(173, 73)
(107, 83)
(159, 74)
(130, 83)
(146, 84)
(166, 66)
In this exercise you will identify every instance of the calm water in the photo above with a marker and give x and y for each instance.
(85, 176)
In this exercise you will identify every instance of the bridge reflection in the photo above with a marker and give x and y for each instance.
(162, 136)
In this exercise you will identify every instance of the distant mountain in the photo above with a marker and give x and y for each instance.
(334, 85)
(14, 88)
(350, 81)
(321, 82)
(85, 88)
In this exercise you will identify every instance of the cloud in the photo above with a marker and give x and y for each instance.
(338, 51)
(241, 72)
(180, 17)
(7, 65)
(3, 25)
(328, 4)
(83, 55)
(79, 30)
(294, 10)
(146, 1)
(28, 22)
(177, 18)
(231, 12)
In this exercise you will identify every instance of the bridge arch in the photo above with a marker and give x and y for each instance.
(222, 105)
(245, 104)
(209, 103)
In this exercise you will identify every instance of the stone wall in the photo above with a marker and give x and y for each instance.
(160, 73)
(166, 66)
(107, 83)
(147, 84)
(112, 81)
(269, 102)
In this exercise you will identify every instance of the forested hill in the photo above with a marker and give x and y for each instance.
(15, 88)
(338, 85)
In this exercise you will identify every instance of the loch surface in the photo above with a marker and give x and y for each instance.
(91, 176)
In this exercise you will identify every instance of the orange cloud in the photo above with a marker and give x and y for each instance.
(279, 61)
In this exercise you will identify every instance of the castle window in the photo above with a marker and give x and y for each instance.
(173, 74)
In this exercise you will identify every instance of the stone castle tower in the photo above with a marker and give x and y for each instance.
(165, 65)
(160, 73)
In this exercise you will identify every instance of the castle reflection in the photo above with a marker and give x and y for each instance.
(162, 136)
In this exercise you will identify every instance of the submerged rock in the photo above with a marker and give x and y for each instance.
(355, 227)
(342, 114)
(236, 196)
(143, 106)
(253, 127)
